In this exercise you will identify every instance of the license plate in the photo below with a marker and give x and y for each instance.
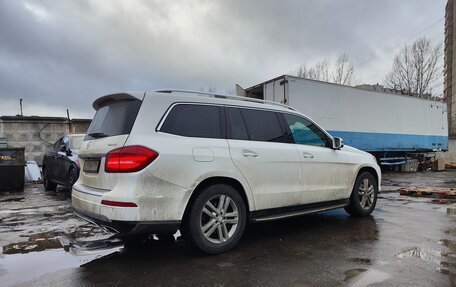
(91, 166)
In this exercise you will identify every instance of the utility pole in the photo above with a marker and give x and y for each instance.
(69, 121)
(20, 103)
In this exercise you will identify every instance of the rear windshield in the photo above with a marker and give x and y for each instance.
(114, 118)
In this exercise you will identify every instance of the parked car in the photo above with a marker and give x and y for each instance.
(208, 164)
(60, 163)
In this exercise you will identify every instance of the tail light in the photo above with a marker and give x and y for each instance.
(129, 159)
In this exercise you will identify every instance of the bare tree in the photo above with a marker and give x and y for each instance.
(342, 72)
(415, 67)
(320, 71)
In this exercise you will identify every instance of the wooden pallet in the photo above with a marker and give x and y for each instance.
(440, 192)
(450, 165)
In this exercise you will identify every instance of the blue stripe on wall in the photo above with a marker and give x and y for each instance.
(392, 142)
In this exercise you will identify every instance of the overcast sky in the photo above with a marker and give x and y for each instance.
(64, 54)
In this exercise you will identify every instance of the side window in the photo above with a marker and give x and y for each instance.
(66, 141)
(236, 128)
(262, 125)
(57, 144)
(305, 132)
(194, 121)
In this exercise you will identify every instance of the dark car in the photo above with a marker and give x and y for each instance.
(60, 164)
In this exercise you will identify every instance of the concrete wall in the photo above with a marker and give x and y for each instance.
(450, 79)
(38, 134)
(450, 156)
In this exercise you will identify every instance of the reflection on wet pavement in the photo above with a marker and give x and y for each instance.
(364, 277)
(407, 242)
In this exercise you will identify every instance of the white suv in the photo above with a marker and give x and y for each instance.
(208, 164)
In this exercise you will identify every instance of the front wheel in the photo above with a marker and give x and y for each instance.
(364, 195)
(217, 219)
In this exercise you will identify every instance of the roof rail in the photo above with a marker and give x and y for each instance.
(222, 96)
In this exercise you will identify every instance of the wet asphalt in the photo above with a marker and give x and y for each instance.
(408, 241)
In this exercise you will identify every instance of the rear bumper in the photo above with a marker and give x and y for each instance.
(86, 202)
(128, 227)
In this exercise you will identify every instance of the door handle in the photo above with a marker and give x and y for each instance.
(307, 155)
(249, 153)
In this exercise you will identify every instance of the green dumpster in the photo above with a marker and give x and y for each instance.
(12, 168)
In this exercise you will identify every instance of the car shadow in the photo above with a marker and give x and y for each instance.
(312, 238)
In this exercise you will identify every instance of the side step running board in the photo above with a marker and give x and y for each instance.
(280, 213)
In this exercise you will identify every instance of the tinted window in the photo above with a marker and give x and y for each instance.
(194, 121)
(236, 126)
(262, 125)
(305, 132)
(114, 118)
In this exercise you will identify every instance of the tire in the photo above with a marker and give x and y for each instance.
(363, 199)
(72, 178)
(216, 220)
(48, 185)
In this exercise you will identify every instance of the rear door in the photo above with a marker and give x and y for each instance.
(326, 173)
(259, 150)
(108, 130)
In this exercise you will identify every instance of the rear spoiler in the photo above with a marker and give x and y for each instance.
(102, 101)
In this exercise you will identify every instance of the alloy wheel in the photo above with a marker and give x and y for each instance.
(366, 193)
(219, 219)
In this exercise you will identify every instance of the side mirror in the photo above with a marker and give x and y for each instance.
(338, 143)
(63, 147)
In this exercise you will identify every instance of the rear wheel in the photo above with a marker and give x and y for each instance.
(364, 195)
(217, 219)
(48, 185)
(72, 178)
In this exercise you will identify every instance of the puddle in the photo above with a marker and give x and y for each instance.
(363, 277)
(30, 266)
(434, 256)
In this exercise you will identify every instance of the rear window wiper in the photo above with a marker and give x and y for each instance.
(98, 135)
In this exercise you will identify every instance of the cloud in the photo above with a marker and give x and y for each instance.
(64, 54)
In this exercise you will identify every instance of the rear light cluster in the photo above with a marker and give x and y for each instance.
(129, 159)
(118, 203)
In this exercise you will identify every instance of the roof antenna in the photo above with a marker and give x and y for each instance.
(20, 103)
